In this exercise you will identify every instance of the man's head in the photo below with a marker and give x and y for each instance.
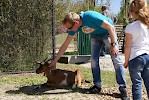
(104, 7)
(72, 21)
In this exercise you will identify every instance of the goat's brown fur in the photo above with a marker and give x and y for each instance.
(60, 77)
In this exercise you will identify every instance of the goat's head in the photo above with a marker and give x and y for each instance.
(42, 66)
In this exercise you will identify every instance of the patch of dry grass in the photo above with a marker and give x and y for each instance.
(27, 86)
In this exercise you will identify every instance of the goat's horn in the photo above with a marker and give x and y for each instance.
(48, 60)
(37, 62)
(45, 59)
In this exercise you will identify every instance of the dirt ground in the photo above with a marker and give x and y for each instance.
(36, 92)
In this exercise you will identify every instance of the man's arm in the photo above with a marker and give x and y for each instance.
(62, 50)
(106, 25)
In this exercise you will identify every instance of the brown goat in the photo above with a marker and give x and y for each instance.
(60, 77)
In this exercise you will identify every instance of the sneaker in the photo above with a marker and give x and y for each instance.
(124, 95)
(94, 90)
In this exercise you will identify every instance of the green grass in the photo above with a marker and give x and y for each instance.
(71, 53)
(60, 38)
(108, 77)
(22, 79)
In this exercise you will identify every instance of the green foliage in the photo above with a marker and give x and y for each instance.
(82, 5)
(97, 8)
(123, 14)
(25, 29)
(60, 11)
(71, 53)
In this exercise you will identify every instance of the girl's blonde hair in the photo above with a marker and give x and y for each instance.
(140, 9)
(71, 18)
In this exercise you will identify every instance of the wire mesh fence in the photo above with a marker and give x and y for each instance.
(25, 33)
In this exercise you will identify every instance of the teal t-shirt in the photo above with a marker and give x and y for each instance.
(91, 23)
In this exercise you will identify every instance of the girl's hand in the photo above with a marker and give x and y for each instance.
(125, 64)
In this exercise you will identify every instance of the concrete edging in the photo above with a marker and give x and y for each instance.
(74, 59)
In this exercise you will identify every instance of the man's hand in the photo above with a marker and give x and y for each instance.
(52, 65)
(114, 50)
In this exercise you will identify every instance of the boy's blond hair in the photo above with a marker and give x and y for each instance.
(71, 18)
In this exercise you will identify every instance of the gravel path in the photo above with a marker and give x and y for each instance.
(105, 63)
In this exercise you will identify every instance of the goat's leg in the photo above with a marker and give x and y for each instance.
(75, 83)
(78, 78)
(79, 81)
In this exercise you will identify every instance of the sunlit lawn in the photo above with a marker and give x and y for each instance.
(108, 77)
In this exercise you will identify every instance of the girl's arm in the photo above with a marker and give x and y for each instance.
(127, 48)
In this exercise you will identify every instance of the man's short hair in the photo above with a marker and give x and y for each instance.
(104, 6)
(71, 18)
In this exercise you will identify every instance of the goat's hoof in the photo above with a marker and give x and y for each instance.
(73, 86)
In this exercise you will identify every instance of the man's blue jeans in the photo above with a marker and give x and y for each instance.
(138, 70)
(96, 46)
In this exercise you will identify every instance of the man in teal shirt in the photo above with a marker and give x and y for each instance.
(92, 24)
(102, 31)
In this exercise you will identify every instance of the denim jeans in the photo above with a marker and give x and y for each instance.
(96, 46)
(138, 70)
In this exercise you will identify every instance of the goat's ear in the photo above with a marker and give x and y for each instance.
(48, 59)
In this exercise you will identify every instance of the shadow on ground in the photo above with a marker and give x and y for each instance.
(41, 90)
(44, 90)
